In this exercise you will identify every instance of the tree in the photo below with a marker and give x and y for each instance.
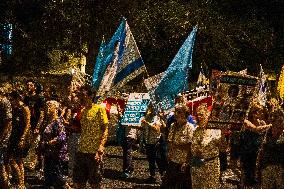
(232, 35)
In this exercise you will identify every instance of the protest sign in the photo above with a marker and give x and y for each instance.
(232, 100)
(135, 109)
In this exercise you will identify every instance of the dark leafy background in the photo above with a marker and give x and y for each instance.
(232, 35)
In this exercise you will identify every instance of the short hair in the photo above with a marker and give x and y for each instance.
(182, 107)
(30, 80)
(256, 107)
(38, 88)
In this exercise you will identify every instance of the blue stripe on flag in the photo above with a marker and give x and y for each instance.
(130, 68)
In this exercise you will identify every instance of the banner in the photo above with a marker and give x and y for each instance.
(135, 108)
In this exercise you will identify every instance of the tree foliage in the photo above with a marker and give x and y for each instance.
(232, 34)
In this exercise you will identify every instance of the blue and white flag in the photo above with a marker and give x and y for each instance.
(106, 54)
(121, 60)
(262, 88)
(175, 78)
(130, 63)
(99, 66)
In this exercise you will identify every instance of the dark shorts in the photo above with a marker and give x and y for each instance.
(87, 169)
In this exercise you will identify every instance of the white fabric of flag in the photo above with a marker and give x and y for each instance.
(130, 63)
(262, 88)
(109, 75)
(152, 82)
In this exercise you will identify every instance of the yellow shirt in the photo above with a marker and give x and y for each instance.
(93, 123)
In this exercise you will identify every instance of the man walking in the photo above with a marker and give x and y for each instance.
(94, 132)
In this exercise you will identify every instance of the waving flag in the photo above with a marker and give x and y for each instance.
(121, 62)
(98, 69)
(130, 63)
(202, 80)
(175, 78)
(6, 30)
(107, 80)
(262, 88)
(280, 86)
(152, 82)
(106, 55)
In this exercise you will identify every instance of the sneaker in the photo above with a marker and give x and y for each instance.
(125, 175)
(151, 180)
(40, 175)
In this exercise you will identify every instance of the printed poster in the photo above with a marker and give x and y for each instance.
(135, 108)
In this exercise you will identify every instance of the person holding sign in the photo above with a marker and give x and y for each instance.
(152, 126)
(254, 125)
(271, 155)
(179, 151)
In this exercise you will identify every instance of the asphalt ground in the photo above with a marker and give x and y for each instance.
(112, 171)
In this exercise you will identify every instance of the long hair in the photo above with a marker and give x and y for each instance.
(256, 109)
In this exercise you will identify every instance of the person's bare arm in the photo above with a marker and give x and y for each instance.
(249, 125)
(27, 116)
(7, 126)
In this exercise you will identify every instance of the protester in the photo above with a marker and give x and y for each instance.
(271, 157)
(18, 143)
(130, 139)
(54, 147)
(180, 99)
(152, 126)
(5, 132)
(179, 151)
(94, 133)
(73, 127)
(250, 142)
(206, 144)
(36, 103)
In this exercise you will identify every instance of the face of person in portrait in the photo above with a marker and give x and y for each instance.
(233, 91)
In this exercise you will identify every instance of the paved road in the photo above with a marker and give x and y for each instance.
(113, 167)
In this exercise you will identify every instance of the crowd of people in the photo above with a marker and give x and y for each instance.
(43, 133)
